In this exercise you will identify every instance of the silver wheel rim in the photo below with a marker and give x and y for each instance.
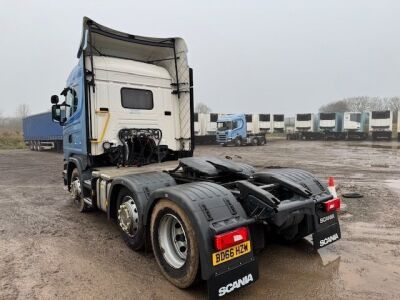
(128, 216)
(172, 241)
(76, 191)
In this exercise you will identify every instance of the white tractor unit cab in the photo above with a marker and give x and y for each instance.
(381, 124)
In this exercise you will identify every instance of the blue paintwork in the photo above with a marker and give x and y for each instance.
(41, 127)
(227, 136)
(74, 132)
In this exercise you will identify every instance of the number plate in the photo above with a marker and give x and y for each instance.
(230, 253)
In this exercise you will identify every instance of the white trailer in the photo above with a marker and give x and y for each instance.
(251, 121)
(398, 125)
(264, 123)
(278, 123)
(381, 124)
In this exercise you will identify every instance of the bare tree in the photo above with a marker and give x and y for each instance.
(202, 108)
(22, 111)
(362, 103)
(337, 106)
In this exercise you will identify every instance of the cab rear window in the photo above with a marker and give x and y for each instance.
(137, 98)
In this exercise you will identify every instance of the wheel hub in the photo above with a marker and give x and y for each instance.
(128, 216)
(172, 240)
(76, 189)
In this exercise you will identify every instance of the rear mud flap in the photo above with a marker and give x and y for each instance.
(225, 283)
(327, 229)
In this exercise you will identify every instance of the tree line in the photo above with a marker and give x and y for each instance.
(363, 104)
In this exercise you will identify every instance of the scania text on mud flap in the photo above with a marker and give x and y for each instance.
(128, 142)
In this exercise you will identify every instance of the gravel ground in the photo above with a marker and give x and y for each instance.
(48, 250)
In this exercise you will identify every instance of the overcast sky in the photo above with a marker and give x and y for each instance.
(247, 56)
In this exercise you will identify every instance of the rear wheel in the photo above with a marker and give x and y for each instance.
(76, 191)
(254, 141)
(175, 244)
(129, 214)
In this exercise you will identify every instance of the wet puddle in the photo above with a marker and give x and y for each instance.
(393, 184)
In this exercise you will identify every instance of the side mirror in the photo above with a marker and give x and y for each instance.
(58, 114)
(54, 99)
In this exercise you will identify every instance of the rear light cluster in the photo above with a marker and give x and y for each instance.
(332, 205)
(231, 238)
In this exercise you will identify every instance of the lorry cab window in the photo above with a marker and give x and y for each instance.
(224, 125)
(137, 99)
(71, 101)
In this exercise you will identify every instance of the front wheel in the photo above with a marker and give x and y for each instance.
(76, 191)
(175, 244)
(238, 142)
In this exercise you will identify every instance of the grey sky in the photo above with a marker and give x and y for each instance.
(248, 56)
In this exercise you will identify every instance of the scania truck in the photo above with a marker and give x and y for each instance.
(232, 130)
(128, 130)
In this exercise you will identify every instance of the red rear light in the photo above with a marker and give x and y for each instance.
(231, 238)
(332, 205)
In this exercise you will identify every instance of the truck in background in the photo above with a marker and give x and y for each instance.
(41, 133)
(232, 130)
(381, 125)
(330, 125)
(355, 125)
(278, 123)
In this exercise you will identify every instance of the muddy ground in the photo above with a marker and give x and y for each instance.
(48, 250)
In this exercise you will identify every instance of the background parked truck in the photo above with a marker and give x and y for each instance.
(41, 133)
(232, 130)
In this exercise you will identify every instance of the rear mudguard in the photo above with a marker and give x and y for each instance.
(307, 191)
(212, 209)
(142, 185)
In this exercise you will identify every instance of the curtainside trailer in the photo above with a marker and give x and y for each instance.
(128, 122)
(41, 133)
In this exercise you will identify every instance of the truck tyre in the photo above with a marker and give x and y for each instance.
(129, 219)
(76, 191)
(238, 141)
(174, 244)
(31, 146)
(254, 141)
